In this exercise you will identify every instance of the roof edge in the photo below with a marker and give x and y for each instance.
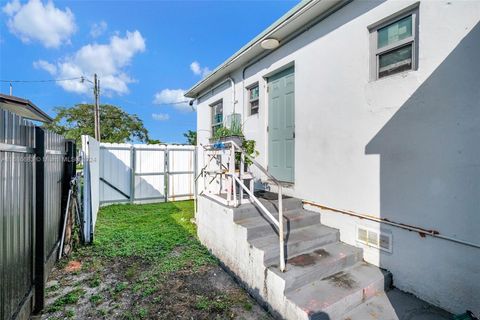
(278, 23)
(40, 115)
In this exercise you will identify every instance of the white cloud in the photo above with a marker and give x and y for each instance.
(160, 116)
(35, 21)
(107, 60)
(198, 70)
(42, 64)
(12, 7)
(98, 29)
(174, 97)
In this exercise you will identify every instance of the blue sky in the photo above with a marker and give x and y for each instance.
(146, 52)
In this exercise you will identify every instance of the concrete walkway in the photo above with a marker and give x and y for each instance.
(397, 305)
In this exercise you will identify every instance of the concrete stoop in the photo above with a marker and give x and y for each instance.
(324, 278)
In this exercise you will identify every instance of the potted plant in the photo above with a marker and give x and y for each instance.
(233, 133)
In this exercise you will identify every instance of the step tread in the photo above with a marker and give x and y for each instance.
(288, 215)
(322, 294)
(307, 233)
(319, 263)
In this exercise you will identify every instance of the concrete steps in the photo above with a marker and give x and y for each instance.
(324, 277)
(252, 210)
(261, 225)
(318, 264)
(297, 242)
(330, 298)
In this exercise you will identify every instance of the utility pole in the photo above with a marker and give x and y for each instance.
(96, 92)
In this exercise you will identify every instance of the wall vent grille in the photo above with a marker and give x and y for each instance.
(374, 238)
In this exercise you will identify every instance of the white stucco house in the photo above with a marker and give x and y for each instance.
(368, 113)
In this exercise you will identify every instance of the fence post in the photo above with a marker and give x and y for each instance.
(39, 275)
(165, 173)
(132, 178)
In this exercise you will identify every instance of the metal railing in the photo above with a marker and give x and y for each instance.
(229, 171)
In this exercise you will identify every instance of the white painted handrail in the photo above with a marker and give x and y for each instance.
(234, 180)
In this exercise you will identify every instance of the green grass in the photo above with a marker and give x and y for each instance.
(150, 248)
(96, 299)
(53, 288)
(94, 282)
(158, 233)
(71, 297)
(218, 304)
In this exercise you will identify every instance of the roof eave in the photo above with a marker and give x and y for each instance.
(24, 108)
(237, 59)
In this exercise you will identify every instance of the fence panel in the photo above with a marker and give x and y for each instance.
(145, 173)
(115, 168)
(17, 214)
(181, 170)
(149, 164)
(53, 166)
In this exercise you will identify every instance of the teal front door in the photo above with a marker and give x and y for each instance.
(281, 125)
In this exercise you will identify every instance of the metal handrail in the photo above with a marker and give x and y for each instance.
(279, 222)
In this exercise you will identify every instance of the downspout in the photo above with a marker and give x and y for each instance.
(232, 83)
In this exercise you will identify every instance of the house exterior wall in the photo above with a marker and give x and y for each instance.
(403, 148)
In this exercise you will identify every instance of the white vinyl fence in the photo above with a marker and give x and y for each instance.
(146, 173)
(136, 173)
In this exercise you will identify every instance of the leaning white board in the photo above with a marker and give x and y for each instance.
(91, 199)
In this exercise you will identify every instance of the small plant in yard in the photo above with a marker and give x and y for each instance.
(94, 282)
(69, 313)
(52, 288)
(119, 287)
(96, 299)
(217, 304)
(247, 305)
(70, 298)
(142, 313)
(148, 291)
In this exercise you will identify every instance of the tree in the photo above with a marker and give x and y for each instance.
(116, 125)
(191, 137)
(154, 141)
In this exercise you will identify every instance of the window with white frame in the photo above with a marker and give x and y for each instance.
(395, 45)
(253, 98)
(217, 116)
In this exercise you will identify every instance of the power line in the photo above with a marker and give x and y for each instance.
(38, 81)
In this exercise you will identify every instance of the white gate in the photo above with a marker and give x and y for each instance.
(139, 173)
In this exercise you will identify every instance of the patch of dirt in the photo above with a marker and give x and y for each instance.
(128, 289)
(73, 266)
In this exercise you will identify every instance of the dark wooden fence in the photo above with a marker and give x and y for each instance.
(33, 186)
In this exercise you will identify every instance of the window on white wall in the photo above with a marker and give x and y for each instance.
(253, 98)
(217, 116)
(395, 45)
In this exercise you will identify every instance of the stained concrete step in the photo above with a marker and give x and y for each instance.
(396, 305)
(318, 264)
(333, 296)
(252, 210)
(260, 226)
(296, 242)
